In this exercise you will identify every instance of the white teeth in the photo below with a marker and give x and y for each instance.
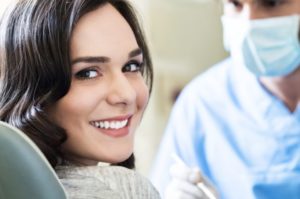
(101, 124)
(106, 125)
(110, 124)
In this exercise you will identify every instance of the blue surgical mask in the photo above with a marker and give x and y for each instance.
(267, 47)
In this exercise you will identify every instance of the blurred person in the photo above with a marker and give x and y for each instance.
(75, 78)
(238, 124)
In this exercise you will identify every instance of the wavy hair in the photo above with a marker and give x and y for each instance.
(35, 67)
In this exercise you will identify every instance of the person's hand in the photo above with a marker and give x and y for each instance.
(183, 183)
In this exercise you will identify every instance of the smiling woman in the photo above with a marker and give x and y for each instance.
(108, 93)
(76, 78)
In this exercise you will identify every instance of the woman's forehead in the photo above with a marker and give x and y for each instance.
(104, 32)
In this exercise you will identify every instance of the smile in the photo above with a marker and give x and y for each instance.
(110, 124)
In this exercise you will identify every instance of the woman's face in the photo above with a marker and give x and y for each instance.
(108, 94)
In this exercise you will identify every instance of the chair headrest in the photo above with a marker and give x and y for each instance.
(24, 170)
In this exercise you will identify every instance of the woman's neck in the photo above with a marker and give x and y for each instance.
(286, 88)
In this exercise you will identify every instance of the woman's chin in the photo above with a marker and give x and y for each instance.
(120, 157)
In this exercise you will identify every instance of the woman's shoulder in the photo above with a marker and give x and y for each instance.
(108, 181)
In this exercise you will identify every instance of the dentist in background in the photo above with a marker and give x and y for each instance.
(238, 124)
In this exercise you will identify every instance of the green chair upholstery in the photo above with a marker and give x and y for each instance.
(24, 171)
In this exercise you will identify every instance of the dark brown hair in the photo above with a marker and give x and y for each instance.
(35, 68)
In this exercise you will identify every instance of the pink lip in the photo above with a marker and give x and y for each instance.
(116, 132)
(119, 118)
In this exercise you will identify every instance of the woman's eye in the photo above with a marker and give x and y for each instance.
(133, 67)
(87, 74)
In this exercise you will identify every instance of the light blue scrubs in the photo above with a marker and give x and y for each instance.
(244, 139)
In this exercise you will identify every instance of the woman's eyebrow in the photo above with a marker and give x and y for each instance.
(135, 52)
(103, 59)
(90, 59)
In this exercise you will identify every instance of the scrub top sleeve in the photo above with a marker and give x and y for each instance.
(178, 139)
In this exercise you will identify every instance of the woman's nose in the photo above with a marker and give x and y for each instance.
(121, 91)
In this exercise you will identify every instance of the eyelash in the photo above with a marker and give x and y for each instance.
(271, 3)
(138, 67)
(236, 3)
(86, 73)
(93, 72)
(264, 3)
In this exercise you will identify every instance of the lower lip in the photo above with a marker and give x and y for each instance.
(115, 132)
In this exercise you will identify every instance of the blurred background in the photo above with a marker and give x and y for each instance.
(185, 38)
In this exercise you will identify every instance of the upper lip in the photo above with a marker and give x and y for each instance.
(117, 118)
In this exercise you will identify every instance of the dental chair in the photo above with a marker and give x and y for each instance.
(24, 171)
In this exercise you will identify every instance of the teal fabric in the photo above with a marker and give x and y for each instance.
(24, 171)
